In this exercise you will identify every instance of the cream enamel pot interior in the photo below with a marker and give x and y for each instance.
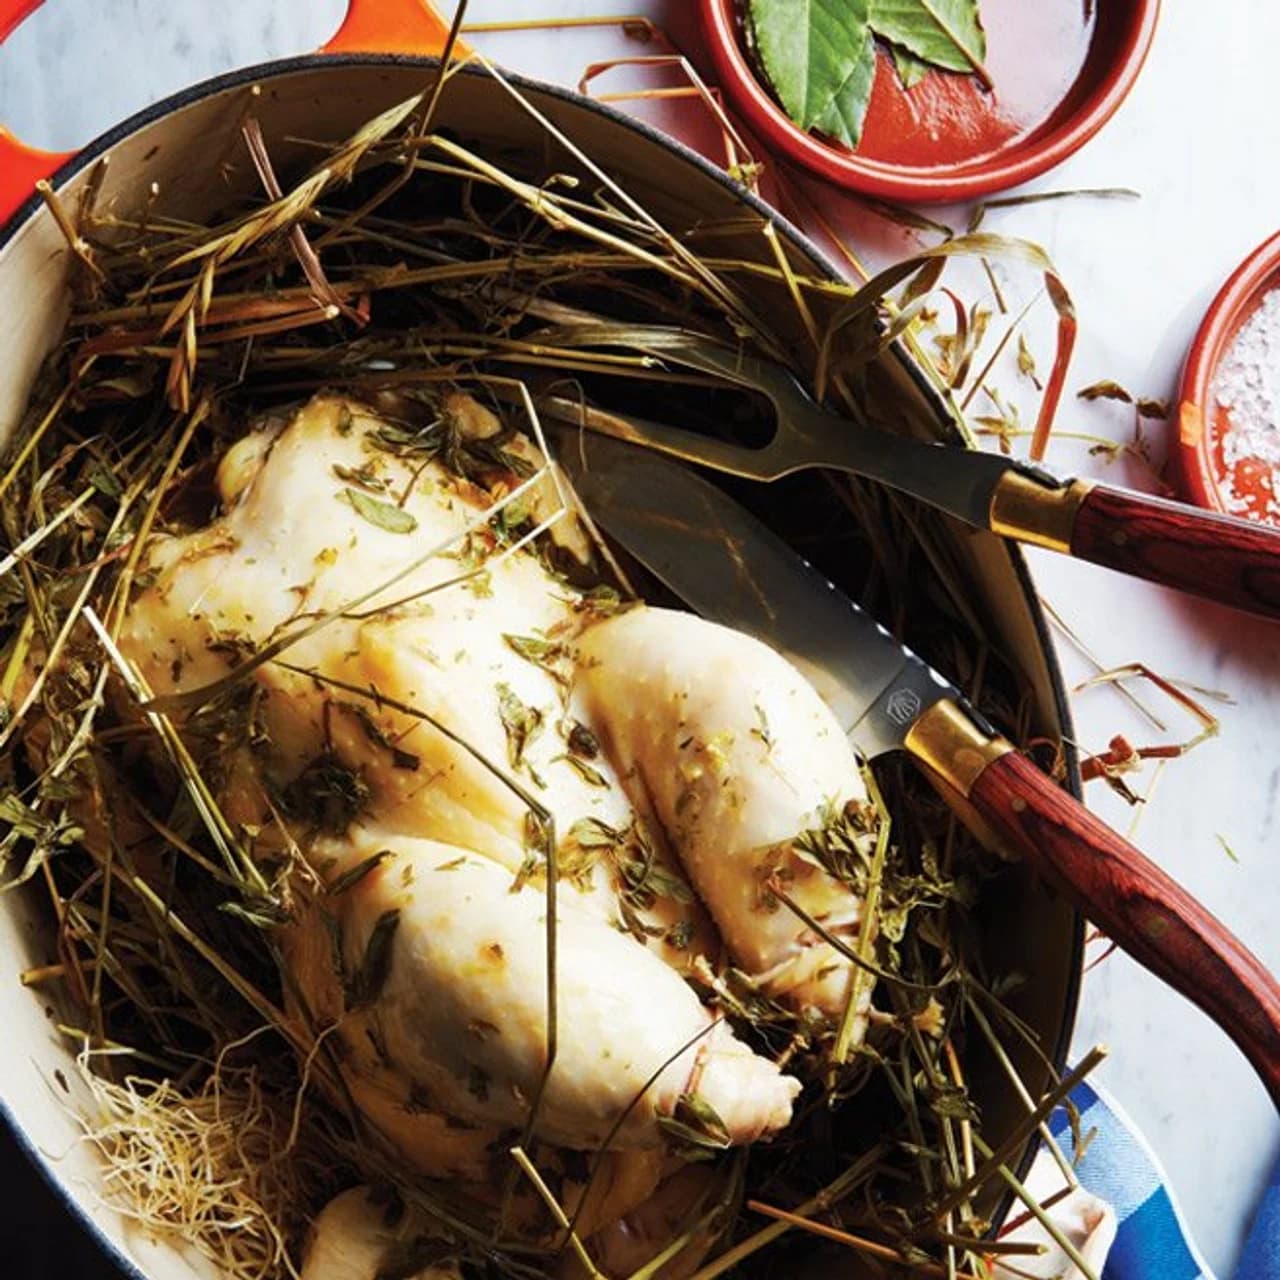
(183, 144)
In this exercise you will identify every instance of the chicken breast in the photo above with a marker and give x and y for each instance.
(447, 975)
(737, 756)
(438, 708)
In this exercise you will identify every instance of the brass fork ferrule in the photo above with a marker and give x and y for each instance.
(1041, 514)
(952, 747)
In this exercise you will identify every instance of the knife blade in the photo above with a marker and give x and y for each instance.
(732, 569)
(729, 567)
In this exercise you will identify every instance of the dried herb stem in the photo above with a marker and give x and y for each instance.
(239, 862)
(1016, 1083)
(871, 1248)
(1055, 1232)
(831, 1195)
(1017, 1136)
(562, 1220)
(852, 1022)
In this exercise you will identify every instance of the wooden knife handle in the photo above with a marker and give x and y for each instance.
(1235, 562)
(1136, 904)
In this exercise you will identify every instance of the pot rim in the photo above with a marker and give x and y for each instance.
(158, 110)
(1230, 308)
(1025, 158)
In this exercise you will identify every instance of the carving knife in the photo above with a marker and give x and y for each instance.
(730, 568)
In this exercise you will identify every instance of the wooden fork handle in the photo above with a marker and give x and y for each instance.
(1218, 557)
(1144, 911)
(1235, 562)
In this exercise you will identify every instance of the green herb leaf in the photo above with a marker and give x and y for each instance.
(588, 773)
(400, 758)
(105, 481)
(326, 794)
(820, 58)
(704, 1115)
(946, 33)
(534, 648)
(591, 833)
(680, 935)
(519, 720)
(695, 1123)
(761, 731)
(602, 600)
(47, 837)
(21, 818)
(353, 875)
(375, 967)
(547, 654)
(539, 834)
(911, 70)
(842, 842)
(360, 477)
(385, 515)
(666, 885)
(262, 913)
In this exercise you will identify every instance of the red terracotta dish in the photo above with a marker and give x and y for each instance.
(1059, 77)
(1202, 422)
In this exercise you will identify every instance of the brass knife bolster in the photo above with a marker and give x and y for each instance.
(952, 747)
(1044, 515)
(953, 753)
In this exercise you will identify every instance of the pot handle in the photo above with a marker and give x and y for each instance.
(21, 166)
(392, 26)
(370, 26)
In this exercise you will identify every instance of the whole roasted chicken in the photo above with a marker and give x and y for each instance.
(487, 771)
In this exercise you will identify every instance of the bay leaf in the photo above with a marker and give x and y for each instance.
(820, 58)
(911, 69)
(946, 33)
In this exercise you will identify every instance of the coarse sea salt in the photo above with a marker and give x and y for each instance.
(1247, 386)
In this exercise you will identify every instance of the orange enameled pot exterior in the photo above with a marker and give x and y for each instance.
(370, 26)
(1116, 54)
(1025, 926)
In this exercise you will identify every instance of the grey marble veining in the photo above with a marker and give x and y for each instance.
(77, 66)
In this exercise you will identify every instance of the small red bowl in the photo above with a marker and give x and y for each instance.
(1200, 419)
(1117, 49)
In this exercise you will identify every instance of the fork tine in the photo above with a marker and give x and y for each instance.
(689, 446)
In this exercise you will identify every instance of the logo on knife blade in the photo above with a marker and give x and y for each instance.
(902, 706)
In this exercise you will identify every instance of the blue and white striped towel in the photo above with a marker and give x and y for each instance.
(1152, 1241)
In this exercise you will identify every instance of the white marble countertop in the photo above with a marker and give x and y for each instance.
(1198, 139)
